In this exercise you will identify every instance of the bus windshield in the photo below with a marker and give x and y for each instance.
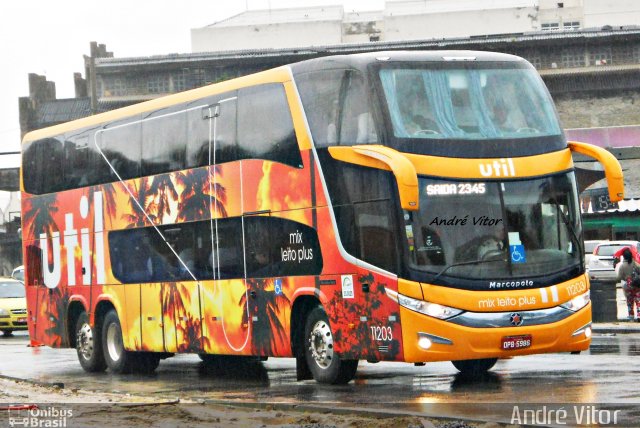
(493, 229)
(468, 103)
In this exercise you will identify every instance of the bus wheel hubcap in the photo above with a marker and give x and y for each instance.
(85, 341)
(321, 344)
(114, 342)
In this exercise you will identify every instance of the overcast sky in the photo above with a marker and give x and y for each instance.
(50, 37)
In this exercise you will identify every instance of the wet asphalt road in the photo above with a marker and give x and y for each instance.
(607, 376)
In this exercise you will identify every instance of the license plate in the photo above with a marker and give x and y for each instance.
(22, 320)
(516, 342)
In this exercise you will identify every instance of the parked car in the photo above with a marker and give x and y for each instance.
(13, 306)
(589, 247)
(18, 273)
(601, 262)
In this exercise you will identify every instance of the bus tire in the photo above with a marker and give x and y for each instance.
(7, 333)
(474, 368)
(89, 345)
(118, 359)
(325, 366)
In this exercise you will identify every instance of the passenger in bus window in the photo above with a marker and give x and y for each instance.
(501, 97)
(417, 113)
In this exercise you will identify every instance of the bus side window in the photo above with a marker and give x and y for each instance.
(357, 126)
(44, 158)
(213, 118)
(32, 159)
(225, 136)
(265, 126)
(164, 136)
(120, 143)
(199, 126)
(362, 202)
(227, 258)
(83, 165)
(320, 95)
(280, 247)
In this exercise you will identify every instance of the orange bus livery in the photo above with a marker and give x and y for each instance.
(389, 206)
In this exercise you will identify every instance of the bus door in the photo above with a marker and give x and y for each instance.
(161, 259)
(180, 290)
(38, 295)
(378, 246)
(364, 203)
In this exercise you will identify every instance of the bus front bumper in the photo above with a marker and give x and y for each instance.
(430, 339)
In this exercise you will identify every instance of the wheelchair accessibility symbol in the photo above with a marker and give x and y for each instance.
(518, 254)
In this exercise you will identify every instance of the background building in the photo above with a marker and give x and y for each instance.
(584, 50)
(403, 20)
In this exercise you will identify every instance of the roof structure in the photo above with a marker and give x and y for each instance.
(282, 16)
(475, 42)
(65, 110)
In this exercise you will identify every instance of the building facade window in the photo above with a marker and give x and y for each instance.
(179, 81)
(550, 26)
(158, 84)
(573, 25)
(572, 57)
(600, 55)
(534, 58)
(115, 87)
(198, 77)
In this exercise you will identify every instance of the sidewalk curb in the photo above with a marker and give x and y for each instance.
(616, 328)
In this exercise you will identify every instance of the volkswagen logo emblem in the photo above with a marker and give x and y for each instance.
(516, 319)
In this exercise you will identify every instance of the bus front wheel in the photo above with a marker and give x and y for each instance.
(118, 359)
(474, 367)
(324, 364)
(89, 346)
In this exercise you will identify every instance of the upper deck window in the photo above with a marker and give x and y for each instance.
(469, 103)
(337, 106)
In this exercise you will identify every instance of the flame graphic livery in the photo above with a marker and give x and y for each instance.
(226, 316)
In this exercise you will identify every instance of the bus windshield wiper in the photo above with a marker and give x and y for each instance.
(572, 230)
(472, 262)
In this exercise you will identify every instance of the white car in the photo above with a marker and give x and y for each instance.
(601, 262)
(589, 246)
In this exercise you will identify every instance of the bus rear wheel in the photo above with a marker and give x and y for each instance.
(118, 359)
(89, 345)
(324, 364)
(474, 368)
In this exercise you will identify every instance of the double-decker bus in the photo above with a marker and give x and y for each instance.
(389, 206)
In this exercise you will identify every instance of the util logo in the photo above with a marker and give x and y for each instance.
(498, 168)
(53, 273)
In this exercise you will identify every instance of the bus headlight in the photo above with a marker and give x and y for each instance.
(578, 302)
(432, 309)
(4, 312)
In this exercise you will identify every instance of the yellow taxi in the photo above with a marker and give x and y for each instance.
(13, 306)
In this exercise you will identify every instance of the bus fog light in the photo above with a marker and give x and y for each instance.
(424, 343)
(585, 329)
